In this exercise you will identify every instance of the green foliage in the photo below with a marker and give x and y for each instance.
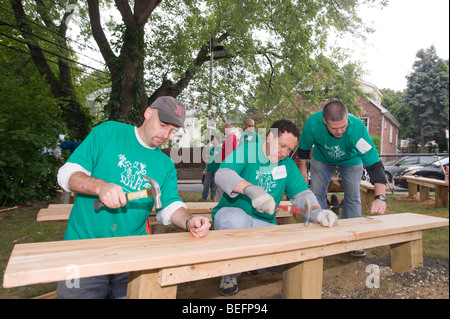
(276, 54)
(30, 120)
(377, 141)
(394, 101)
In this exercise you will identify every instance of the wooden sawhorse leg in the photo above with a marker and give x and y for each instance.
(144, 285)
(406, 256)
(424, 193)
(441, 196)
(412, 189)
(303, 280)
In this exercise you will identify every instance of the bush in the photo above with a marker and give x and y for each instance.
(30, 122)
(377, 141)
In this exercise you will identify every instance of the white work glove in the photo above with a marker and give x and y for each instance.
(325, 217)
(261, 200)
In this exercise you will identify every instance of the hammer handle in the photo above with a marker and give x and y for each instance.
(130, 196)
(98, 203)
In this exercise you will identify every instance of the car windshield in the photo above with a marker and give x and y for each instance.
(444, 161)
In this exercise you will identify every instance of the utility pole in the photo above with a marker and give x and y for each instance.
(211, 68)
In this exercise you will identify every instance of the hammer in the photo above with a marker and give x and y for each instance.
(154, 192)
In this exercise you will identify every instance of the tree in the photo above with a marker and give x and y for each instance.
(47, 49)
(273, 48)
(276, 49)
(30, 122)
(394, 102)
(427, 95)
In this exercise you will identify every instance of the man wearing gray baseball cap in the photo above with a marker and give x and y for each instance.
(170, 110)
(115, 159)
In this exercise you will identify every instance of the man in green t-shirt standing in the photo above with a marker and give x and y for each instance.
(212, 165)
(249, 135)
(341, 140)
(113, 160)
(254, 179)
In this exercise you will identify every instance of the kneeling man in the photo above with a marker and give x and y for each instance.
(254, 179)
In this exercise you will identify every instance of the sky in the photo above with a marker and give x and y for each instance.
(402, 29)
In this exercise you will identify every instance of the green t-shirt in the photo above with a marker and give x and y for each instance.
(249, 162)
(354, 147)
(113, 153)
(252, 137)
(212, 163)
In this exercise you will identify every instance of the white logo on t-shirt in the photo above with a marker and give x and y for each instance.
(132, 175)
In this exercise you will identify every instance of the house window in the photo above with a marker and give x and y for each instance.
(365, 120)
(391, 132)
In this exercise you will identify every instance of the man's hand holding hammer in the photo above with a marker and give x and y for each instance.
(113, 196)
(115, 157)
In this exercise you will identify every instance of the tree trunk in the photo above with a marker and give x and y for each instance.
(61, 85)
(128, 99)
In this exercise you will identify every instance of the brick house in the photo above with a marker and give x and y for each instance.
(378, 120)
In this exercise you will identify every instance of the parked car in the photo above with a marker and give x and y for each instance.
(404, 163)
(434, 170)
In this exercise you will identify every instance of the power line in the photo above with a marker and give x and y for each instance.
(52, 53)
(52, 31)
(49, 41)
(34, 56)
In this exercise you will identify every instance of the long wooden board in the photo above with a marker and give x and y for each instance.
(54, 261)
(62, 211)
(428, 182)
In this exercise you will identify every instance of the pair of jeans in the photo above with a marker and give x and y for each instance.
(209, 183)
(98, 287)
(234, 218)
(321, 174)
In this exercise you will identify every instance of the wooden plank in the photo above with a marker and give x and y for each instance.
(366, 186)
(336, 185)
(429, 182)
(189, 181)
(175, 275)
(303, 280)
(424, 193)
(412, 189)
(441, 197)
(441, 189)
(406, 256)
(367, 193)
(48, 262)
(60, 206)
(62, 211)
(46, 214)
(144, 285)
(50, 295)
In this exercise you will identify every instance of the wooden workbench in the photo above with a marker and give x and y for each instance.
(159, 262)
(425, 184)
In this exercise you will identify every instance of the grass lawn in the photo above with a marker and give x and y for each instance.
(19, 226)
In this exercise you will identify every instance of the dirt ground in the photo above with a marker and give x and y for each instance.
(344, 278)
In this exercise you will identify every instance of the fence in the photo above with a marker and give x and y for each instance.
(190, 164)
(411, 158)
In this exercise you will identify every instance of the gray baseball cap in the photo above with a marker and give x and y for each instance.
(170, 110)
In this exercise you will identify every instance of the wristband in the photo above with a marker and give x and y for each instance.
(187, 222)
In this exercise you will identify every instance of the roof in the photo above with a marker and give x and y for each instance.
(371, 88)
